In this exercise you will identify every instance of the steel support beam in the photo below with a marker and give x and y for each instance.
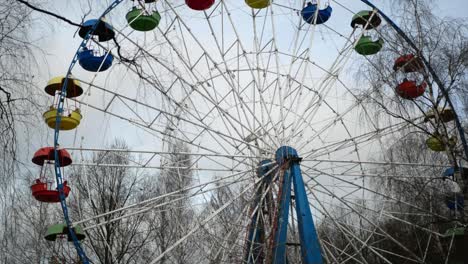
(256, 237)
(288, 160)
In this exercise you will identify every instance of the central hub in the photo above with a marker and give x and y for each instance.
(285, 154)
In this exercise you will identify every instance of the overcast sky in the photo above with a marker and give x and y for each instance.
(60, 45)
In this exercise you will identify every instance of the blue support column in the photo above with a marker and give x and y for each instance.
(310, 247)
(255, 239)
(281, 234)
(288, 158)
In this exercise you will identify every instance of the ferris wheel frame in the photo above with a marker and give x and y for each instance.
(313, 247)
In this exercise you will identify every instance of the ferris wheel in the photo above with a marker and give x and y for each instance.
(257, 97)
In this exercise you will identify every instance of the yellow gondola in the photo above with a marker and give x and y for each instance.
(68, 122)
(258, 4)
(445, 115)
(55, 84)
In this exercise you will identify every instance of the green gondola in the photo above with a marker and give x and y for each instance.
(436, 144)
(143, 22)
(363, 17)
(61, 230)
(366, 46)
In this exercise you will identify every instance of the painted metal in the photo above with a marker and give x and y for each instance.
(289, 161)
(58, 173)
(256, 235)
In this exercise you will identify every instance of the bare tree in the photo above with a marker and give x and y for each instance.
(103, 189)
(426, 191)
(18, 112)
(443, 42)
(174, 218)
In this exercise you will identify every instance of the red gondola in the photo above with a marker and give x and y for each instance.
(42, 192)
(410, 89)
(47, 153)
(42, 189)
(408, 63)
(199, 5)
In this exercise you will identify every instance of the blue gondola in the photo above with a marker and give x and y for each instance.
(308, 14)
(448, 173)
(455, 201)
(104, 31)
(91, 62)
